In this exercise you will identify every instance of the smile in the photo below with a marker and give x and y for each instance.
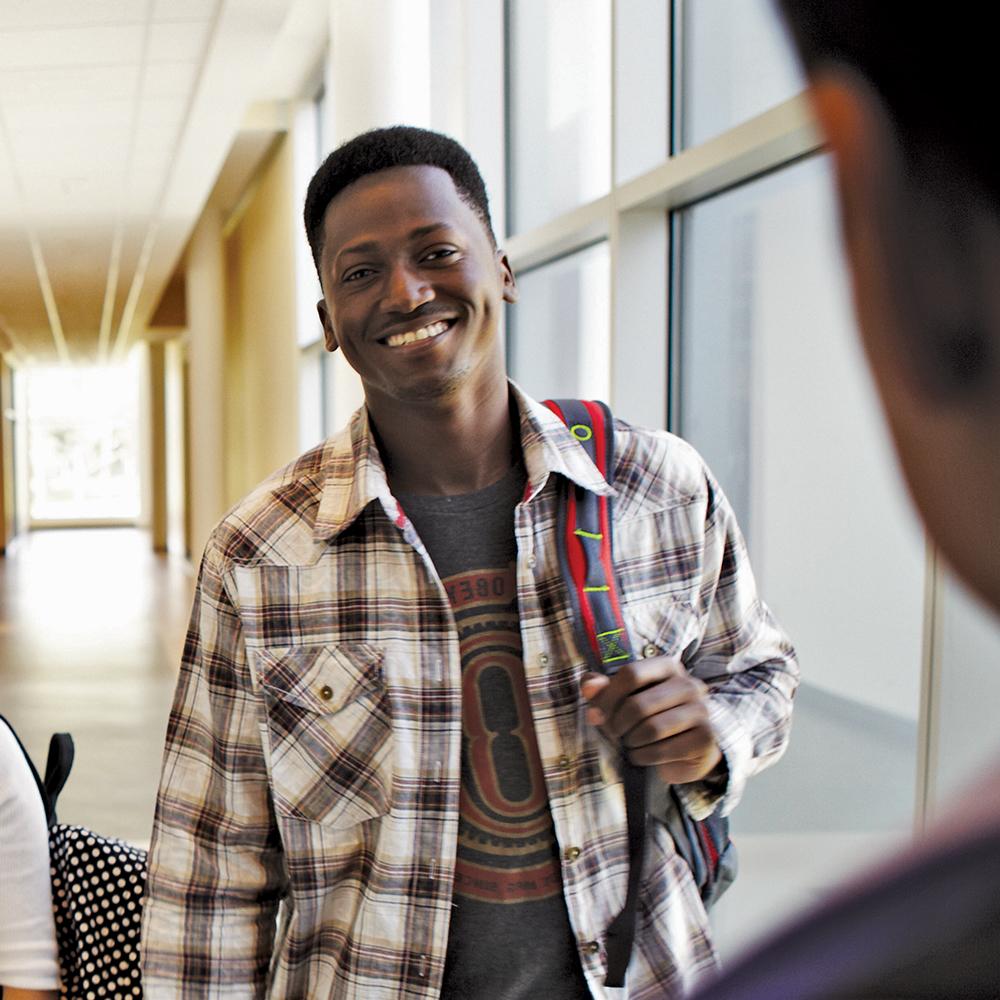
(424, 333)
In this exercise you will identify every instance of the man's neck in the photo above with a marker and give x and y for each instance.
(454, 446)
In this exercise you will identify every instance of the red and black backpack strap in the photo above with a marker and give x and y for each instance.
(585, 553)
(587, 560)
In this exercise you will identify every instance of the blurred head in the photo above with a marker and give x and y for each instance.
(904, 100)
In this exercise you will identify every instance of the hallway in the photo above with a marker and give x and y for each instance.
(91, 630)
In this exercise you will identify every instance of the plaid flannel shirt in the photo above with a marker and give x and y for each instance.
(312, 763)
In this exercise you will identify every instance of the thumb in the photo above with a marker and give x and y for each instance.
(592, 685)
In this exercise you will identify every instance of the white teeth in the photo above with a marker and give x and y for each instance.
(411, 336)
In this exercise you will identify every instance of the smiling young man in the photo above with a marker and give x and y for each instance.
(383, 722)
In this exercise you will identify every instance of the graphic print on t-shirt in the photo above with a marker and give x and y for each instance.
(506, 843)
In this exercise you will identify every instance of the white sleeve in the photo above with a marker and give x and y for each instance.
(28, 954)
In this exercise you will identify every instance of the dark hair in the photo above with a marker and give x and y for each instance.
(936, 75)
(381, 149)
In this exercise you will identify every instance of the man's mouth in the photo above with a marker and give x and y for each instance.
(423, 333)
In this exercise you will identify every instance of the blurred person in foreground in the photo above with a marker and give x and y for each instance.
(382, 720)
(905, 98)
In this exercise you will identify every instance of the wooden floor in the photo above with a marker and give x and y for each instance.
(91, 629)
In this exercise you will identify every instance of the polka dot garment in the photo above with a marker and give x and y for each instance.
(97, 887)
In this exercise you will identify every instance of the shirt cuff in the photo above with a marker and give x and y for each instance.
(720, 792)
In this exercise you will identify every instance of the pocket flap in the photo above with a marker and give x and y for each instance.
(322, 679)
(663, 628)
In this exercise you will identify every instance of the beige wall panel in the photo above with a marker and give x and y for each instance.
(157, 370)
(6, 458)
(206, 319)
(261, 339)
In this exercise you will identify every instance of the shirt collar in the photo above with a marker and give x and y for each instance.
(357, 478)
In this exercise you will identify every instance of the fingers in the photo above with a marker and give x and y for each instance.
(638, 691)
(654, 729)
(659, 713)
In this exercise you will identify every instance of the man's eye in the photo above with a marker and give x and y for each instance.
(440, 253)
(361, 272)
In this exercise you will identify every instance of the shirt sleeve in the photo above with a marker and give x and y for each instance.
(28, 956)
(745, 658)
(216, 873)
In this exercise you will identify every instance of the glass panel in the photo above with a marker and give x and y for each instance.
(82, 442)
(969, 687)
(642, 74)
(559, 68)
(559, 331)
(736, 62)
(775, 394)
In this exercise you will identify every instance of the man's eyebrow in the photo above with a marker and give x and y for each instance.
(370, 246)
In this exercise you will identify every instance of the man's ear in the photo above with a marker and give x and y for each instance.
(329, 337)
(507, 275)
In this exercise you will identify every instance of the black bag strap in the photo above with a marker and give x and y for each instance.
(585, 553)
(58, 765)
(57, 768)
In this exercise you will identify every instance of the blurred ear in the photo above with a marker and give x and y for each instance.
(870, 181)
(329, 337)
(860, 139)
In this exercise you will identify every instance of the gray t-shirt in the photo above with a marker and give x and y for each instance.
(510, 933)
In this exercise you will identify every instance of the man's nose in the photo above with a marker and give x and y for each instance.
(406, 290)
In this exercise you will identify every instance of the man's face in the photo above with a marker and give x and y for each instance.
(412, 286)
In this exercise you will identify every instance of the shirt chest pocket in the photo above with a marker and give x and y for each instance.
(329, 732)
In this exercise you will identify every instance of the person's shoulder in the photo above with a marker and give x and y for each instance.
(655, 469)
(274, 522)
(16, 782)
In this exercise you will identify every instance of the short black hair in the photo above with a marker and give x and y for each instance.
(935, 74)
(381, 149)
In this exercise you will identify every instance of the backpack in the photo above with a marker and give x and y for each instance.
(586, 557)
(97, 889)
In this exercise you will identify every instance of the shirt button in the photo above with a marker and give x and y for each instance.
(571, 853)
(649, 650)
(592, 948)
(544, 659)
(564, 762)
(326, 692)
(532, 562)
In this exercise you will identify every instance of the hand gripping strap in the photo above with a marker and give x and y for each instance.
(585, 555)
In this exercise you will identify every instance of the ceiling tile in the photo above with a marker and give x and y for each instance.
(184, 10)
(169, 79)
(27, 14)
(67, 85)
(109, 45)
(177, 40)
(95, 117)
